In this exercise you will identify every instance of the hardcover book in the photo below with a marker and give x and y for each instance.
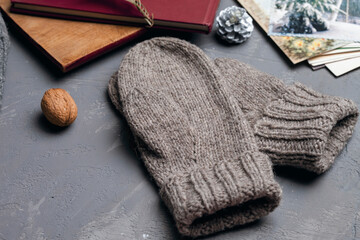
(69, 44)
(187, 15)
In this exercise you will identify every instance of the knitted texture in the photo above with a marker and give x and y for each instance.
(193, 138)
(4, 46)
(293, 125)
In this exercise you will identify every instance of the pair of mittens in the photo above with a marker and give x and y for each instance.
(206, 131)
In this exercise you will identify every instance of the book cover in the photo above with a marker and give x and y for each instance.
(68, 44)
(181, 15)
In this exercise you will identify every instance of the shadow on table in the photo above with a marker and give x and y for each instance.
(48, 127)
(296, 174)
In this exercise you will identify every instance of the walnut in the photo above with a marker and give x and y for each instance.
(59, 107)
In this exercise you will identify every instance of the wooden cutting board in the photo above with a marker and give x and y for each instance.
(67, 43)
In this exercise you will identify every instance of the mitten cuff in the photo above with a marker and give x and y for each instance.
(305, 128)
(210, 199)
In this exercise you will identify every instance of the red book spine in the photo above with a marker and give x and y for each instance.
(186, 15)
(209, 19)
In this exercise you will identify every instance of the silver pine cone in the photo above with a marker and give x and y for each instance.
(234, 24)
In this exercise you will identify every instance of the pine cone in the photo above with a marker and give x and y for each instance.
(234, 24)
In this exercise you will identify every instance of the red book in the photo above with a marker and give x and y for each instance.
(191, 15)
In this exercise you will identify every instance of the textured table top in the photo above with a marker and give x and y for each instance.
(86, 182)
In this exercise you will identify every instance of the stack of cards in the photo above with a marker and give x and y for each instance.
(338, 61)
(328, 38)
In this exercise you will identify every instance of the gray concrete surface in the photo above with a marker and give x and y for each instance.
(86, 182)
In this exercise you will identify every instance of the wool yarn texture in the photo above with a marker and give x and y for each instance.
(4, 47)
(193, 137)
(294, 125)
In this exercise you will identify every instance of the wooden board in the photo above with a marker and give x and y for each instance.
(69, 43)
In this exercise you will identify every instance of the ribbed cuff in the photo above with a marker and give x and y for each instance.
(305, 128)
(211, 199)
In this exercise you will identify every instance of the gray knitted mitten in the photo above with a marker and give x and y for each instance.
(293, 125)
(193, 138)
(4, 46)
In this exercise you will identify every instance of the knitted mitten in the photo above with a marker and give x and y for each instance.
(294, 125)
(4, 46)
(193, 138)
